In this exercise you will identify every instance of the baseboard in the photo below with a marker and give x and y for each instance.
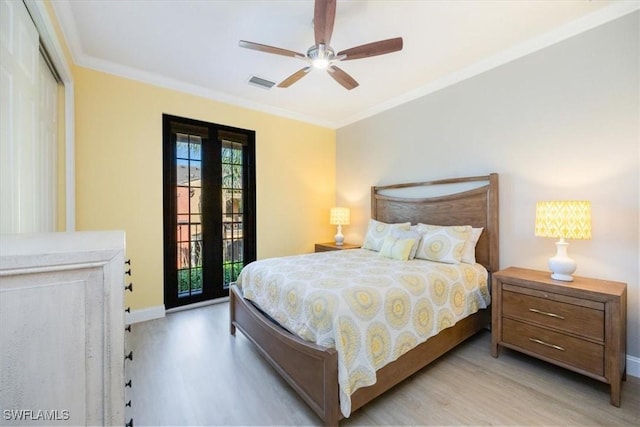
(633, 366)
(144, 314)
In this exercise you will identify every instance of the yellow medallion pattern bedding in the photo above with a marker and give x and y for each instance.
(371, 309)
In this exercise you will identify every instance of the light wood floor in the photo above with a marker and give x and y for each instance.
(188, 370)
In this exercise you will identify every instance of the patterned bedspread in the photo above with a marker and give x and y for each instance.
(369, 308)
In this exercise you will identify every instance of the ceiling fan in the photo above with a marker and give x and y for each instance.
(321, 55)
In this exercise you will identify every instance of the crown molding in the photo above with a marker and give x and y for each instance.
(191, 89)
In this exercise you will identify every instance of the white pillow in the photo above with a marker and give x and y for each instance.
(469, 251)
(412, 234)
(377, 231)
(442, 243)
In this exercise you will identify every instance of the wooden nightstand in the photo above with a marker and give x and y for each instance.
(579, 325)
(331, 246)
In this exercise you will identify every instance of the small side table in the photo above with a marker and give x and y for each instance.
(331, 246)
(579, 325)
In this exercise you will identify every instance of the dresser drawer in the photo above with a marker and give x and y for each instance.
(581, 354)
(575, 319)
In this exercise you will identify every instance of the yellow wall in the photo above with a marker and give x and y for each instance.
(119, 171)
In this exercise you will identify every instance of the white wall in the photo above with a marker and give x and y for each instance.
(561, 123)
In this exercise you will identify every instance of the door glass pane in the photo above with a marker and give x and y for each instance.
(182, 146)
(182, 201)
(189, 214)
(183, 255)
(195, 200)
(195, 148)
(232, 218)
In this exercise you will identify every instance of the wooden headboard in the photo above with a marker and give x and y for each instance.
(457, 201)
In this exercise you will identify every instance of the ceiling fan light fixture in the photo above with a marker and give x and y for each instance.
(320, 63)
(320, 56)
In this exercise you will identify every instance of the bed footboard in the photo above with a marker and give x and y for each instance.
(310, 369)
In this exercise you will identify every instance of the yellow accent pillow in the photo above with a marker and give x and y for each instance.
(469, 252)
(378, 230)
(442, 243)
(409, 234)
(396, 248)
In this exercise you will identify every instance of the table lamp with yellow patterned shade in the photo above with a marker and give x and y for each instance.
(339, 217)
(566, 219)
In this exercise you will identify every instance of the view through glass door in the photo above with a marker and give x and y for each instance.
(209, 208)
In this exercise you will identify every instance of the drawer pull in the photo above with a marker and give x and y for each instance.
(546, 313)
(557, 347)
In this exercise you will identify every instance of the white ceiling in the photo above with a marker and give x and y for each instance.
(192, 46)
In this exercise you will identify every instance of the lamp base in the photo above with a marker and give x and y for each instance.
(339, 237)
(561, 266)
(563, 277)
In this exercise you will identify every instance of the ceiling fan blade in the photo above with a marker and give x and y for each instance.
(372, 49)
(270, 49)
(343, 78)
(294, 77)
(324, 15)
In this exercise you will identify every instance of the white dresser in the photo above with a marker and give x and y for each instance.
(62, 328)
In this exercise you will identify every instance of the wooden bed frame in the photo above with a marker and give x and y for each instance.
(312, 370)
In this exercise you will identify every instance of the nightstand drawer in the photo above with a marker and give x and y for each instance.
(578, 353)
(575, 319)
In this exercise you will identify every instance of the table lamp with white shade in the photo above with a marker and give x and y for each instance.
(565, 219)
(339, 216)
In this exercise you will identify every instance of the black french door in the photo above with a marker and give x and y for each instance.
(209, 208)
